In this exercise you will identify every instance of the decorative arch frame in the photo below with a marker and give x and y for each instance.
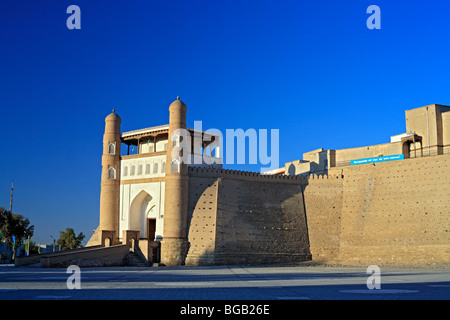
(138, 212)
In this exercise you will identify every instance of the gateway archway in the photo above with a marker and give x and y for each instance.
(138, 212)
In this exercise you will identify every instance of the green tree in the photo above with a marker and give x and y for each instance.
(68, 239)
(14, 225)
(34, 247)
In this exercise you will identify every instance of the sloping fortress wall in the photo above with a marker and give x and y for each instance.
(240, 217)
(323, 205)
(397, 212)
(391, 213)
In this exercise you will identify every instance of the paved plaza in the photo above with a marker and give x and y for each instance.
(222, 283)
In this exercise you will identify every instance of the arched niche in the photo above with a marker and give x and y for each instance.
(138, 212)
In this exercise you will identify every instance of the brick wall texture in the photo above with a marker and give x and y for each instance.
(236, 218)
(396, 213)
(391, 213)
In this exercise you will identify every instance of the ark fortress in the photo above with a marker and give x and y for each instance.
(320, 208)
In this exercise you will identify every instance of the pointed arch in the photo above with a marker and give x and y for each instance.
(112, 148)
(138, 211)
(175, 166)
(111, 173)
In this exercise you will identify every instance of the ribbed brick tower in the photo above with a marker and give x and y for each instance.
(110, 184)
(175, 245)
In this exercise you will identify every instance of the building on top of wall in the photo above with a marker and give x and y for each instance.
(427, 134)
(142, 178)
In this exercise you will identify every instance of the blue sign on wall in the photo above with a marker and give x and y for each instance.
(378, 159)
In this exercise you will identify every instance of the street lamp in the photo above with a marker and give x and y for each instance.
(53, 243)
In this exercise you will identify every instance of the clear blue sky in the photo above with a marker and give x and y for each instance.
(311, 69)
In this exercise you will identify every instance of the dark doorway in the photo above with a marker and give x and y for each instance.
(407, 149)
(151, 229)
(153, 245)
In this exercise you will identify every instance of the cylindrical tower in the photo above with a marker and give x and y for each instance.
(175, 245)
(110, 185)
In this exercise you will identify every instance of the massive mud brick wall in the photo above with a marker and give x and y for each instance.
(202, 218)
(396, 213)
(323, 205)
(245, 218)
(391, 213)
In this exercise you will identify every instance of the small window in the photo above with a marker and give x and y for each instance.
(147, 168)
(111, 173)
(133, 171)
(112, 148)
(155, 168)
(163, 167)
(175, 140)
(175, 167)
(125, 171)
(139, 169)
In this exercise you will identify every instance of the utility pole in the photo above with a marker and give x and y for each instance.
(11, 199)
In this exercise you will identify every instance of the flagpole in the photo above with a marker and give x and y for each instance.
(14, 247)
(28, 246)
